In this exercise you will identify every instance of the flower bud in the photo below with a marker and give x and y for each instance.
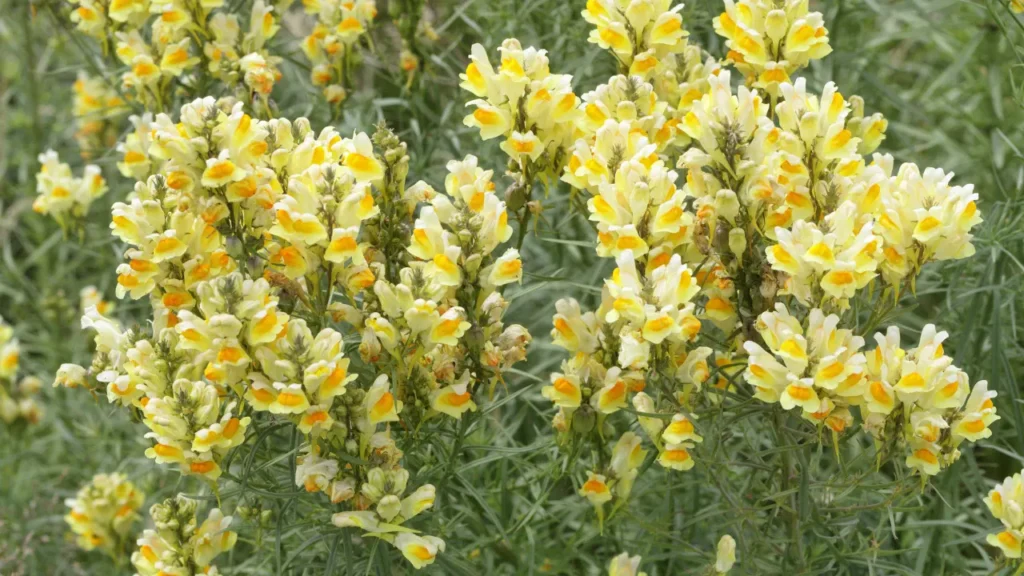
(558, 422)
(626, 110)
(727, 205)
(856, 106)
(583, 420)
(738, 243)
(775, 24)
(389, 507)
(726, 556)
(515, 197)
(342, 490)
(809, 127)
(652, 426)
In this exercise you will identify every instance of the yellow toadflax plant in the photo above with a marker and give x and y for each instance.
(261, 245)
(748, 224)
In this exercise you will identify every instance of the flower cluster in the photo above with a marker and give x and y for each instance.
(255, 243)
(17, 402)
(381, 508)
(1006, 503)
(179, 545)
(103, 512)
(769, 41)
(64, 196)
(185, 45)
(916, 396)
(533, 110)
(644, 328)
(645, 37)
(97, 108)
(333, 44)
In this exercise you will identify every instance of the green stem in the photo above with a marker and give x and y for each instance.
(31, 64)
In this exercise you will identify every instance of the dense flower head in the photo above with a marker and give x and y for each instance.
(178, 544)
(333, 46)
(644, 328)
(103, 512)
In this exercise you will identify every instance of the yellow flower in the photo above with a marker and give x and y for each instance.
(507, 269)
(453, 400)
(564, 390)
(595, 489)
(380, 403)
(420, 551)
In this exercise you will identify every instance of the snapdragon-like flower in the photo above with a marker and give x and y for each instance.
(179, 544)
(103, 512)
(725, 557)
(625, 565)
(91, 297)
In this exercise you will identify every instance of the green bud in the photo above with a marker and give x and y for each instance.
(515, 197)
(472, 264)
(583, 419)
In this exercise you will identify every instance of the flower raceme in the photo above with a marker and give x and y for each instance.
(62, 195)
(103, 512)
(915, 397)
(645, 38)
(531, 109)
(333, 44)
(769, 41)
(256, 242)
(179, 544)
(98, 109)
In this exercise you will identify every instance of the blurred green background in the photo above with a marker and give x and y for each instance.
(948, 75)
